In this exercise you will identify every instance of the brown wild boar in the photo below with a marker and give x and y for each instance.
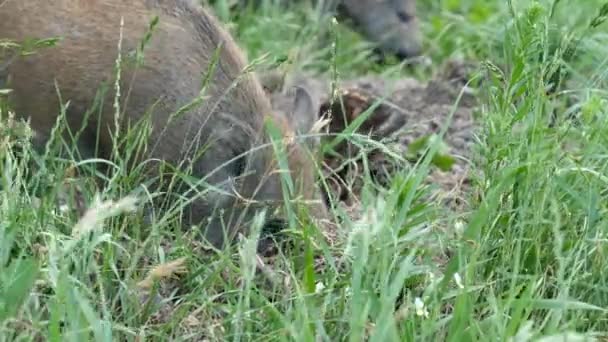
(392, 25)
(212, 137)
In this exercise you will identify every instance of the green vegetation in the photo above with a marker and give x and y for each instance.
(525, 261)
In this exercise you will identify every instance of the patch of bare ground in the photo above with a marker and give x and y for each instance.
(408, 110)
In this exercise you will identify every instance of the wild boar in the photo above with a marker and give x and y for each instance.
(218, 134)
(391, 25)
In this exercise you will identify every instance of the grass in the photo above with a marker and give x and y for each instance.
(526, 262)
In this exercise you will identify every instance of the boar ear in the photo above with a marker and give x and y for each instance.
(304, 112)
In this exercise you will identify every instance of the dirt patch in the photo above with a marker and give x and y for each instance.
(408, 111)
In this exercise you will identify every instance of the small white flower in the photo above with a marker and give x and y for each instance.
(459, 227)
(458, 280)
(64, 208)
(420, 308)
(319, 287)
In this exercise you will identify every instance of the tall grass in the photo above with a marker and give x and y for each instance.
(524, 263)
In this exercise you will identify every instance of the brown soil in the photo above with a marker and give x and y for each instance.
(409, 110)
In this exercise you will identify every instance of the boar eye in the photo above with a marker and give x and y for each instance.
(404, 17)
(238, 166)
